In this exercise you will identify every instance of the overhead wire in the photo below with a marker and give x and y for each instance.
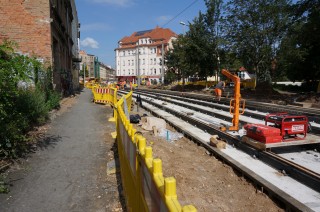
(190, 5)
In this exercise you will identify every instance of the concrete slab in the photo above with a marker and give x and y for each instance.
(287, 185)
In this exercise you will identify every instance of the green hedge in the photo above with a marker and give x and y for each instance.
(26, 97)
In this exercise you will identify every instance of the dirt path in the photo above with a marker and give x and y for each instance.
(202, 180)
(67, 172)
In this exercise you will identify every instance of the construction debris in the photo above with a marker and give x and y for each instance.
(216, 142)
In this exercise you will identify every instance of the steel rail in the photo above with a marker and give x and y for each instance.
(290, 203)
(297, 172)
(306, 170)
(315, 130)
(312, 113)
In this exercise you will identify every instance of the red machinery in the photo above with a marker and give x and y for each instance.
(289, 125)
(284, 127)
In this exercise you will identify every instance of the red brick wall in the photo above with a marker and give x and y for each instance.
(27, 22)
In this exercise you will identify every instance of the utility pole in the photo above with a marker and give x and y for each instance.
(84, 72)
(138, 68)
(89, 74)
(162, 63)
(218, 72)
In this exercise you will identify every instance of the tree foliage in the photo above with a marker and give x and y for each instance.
(195, 53)
(26, 96)
(254, 29)
(299, 55)
(275, 39)
(176, 59)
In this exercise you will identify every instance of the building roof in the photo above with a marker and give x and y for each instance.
(82, 52)
(157, 35)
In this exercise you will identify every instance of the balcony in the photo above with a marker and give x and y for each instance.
(76, 59)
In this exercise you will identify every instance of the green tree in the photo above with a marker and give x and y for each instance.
(195, 54)
(200, 48)
(299, 55)
(176, 60)
(254, 29)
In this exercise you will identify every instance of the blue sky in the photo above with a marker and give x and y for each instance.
(105, 22)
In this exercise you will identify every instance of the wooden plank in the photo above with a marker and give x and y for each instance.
(253, 143)
(310, 139)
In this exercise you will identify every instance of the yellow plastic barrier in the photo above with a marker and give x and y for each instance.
(250, 83)
(89, 85)
(112, 97)
(145, 187)
(100, 94)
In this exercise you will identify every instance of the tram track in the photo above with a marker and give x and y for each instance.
(210, 104)
(312, 113)
(284, 166)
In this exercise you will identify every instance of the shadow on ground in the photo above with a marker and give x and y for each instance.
(114, 149)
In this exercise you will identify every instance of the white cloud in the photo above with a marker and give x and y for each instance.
(121, 3)
(163, 19)
(89, 42)
(95, 27)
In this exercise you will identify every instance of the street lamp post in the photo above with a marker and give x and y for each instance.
(162, 63)
(184, 26)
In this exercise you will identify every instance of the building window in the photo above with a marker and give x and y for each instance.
(132, 62)
(124, 64)
(143, 62)
(128, 62)
(154, 61)
(155, 71)
(124, 53)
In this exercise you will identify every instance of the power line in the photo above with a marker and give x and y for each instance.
(180, 12)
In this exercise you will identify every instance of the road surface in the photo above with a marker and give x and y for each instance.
(68, 171)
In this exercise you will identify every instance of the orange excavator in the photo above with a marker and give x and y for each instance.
(235, 103)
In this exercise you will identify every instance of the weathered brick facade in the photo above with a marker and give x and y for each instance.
(27, 23)
(42, 28)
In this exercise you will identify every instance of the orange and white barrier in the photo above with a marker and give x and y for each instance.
(100, 94)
